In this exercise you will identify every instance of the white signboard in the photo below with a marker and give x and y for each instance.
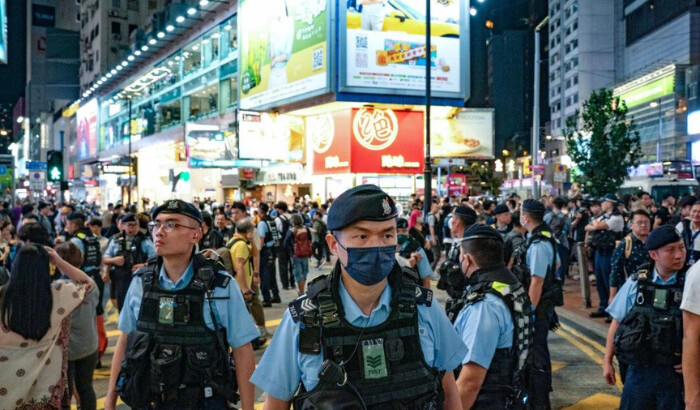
(37, 180)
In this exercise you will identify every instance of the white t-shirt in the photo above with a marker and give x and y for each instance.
(696, 242)
(691, 291)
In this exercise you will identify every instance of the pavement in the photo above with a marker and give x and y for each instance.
(577, 349)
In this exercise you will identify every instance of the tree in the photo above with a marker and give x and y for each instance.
(602, 142)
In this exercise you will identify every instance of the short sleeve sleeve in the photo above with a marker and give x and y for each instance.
(691, 291)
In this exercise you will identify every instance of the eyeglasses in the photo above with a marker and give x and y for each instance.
(168, 226)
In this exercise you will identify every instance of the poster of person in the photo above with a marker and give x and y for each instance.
(87, 129)
(469, 134)
(386, 49)
(283, 50)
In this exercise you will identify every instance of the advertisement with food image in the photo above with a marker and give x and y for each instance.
(469, 134)
(283, 50)
(208, 147)
(270, 137)
(385, 45)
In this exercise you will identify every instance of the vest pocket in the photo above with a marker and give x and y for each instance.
(198, 362)
(166, 368)
(664, 341)
(135, 371)
(632, 339)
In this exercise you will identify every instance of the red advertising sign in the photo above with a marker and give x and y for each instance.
(367, 140)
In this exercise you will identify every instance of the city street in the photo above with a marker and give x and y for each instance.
(577, 350)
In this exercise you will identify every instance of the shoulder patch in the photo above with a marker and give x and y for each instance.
(80, 235)
(299, 306)
(546, 234)
(424, 296)
(221, 280)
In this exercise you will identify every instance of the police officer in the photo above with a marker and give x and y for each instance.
(451, 277)
(541, 261)
(89, 246)
(605, 230)
(270, 238)
(181, 316)
(410, 253)
(364, 336)
(646, 331)
(503, 219)
(127, 252)
(489, 377)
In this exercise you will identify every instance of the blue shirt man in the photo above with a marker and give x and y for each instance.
(651, 385)
(362, 222)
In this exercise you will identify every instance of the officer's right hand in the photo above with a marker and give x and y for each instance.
(119, 260)
(609, 374)
(111, 401)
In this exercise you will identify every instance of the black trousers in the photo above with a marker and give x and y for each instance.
(284, 265)
(80, 372)
(541, 372)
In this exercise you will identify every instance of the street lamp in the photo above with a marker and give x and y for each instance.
(427, 169)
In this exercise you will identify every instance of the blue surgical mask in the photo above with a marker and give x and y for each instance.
(369, 266)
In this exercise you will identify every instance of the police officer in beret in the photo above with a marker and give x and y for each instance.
(647, 327)
(127, 252)
(503, 219)
(351, 340)
(451, 278)
(541, 262)
(490, 375)
(410, 253)
(183, 326)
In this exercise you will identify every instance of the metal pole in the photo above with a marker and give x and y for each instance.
(536, 110)
(658, 142)
(582, 257)
(427, 171)
(128, 194)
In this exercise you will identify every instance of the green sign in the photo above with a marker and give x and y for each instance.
(649, 92)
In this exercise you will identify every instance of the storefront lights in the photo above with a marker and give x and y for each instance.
(144, 48)
(161, 34)
(180, 19)
(228, 27)
(137, 52)
(152, 41)
(125, 63)
(169, 28)
(203, 2)
(191, 11)
(119, 68)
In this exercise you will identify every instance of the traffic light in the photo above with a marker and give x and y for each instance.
(54, 166)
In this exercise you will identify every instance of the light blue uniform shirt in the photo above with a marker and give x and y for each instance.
(539, 257)
(625, 297)
(423, 266)
(262, 231)
(485, 326)
(231, 312)
(147, 247)
(283, 366)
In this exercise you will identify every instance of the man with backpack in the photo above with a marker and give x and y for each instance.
(560, 224)
(270, 241)
(495, 324)
(298, 245)
(283, 256)
(319, 239)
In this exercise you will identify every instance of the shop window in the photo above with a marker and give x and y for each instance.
(229, 92)
(192, 58)
(229, 34)
(173, 66)
(169, 114)
(203, 103)
(210, 47)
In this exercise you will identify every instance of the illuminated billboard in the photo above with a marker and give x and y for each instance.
(3, 32)
(87, 129)
(269, 137)
(383, 47)
(284, 51)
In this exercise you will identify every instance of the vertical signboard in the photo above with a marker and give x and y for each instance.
(284, 51)
(87, 130)
(383, 48)
(3, 32)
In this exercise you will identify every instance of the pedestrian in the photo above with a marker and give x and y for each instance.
(690, 305)
(270, 242)
(541, 260)
(34, 313)
(408, 248)
(284, 262)
(689, 230)
(83, 339)
(560, 225)
(361, 315)
(222, 228)
(211, 239)
(603, 231)
(127, 252)
(646, 328)
(177, 311)
(319, 233)
(667, 208)
(298, 245)
(432, 233)
(494, 322)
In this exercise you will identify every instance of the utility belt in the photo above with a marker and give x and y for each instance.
(269, 252)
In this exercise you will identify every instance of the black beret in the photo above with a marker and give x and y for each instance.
(479, 231)
(75, 215)
(500, 209)
(662, 236)
(129, 217)
(401, 223)
(534, 206)
(361, 203)
(176, 206)
(467, 213)
(610, 198)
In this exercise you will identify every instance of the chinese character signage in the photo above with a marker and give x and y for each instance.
(87, 130)
(383, 48)
(367, 140)
(284, 51)
(469, 134)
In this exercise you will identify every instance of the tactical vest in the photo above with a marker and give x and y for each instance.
(272, 234)
(651, 333)
(379, 367)
(132, 253)
(186, 362)
(604, 240)
(93, 254)
(552, 292)
(452, 279)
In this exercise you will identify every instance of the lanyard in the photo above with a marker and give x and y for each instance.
(692, 240)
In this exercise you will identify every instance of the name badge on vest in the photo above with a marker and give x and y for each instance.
(166, 310)
(374, 359)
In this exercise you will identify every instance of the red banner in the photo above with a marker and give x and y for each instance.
(367, 140)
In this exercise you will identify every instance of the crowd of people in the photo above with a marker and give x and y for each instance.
(191, 281)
